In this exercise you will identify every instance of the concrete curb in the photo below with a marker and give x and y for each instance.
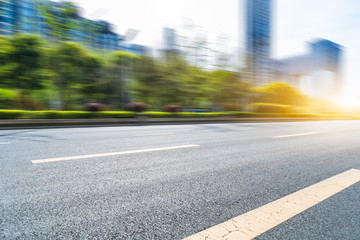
(44, 123)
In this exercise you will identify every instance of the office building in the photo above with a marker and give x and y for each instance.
(316, 73)
(136, 49)
(170, 43)
(7, 17)
(170, 40)
(32, 17)
(258, 41)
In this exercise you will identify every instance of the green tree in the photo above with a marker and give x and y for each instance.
(22, 60)
(4, 56)
(4, 50)
(228, 90)
(92, 85)
(280, 93)
(60, 18)
(148, 80)
(121, 70)
(196, 88)
(67, 62)
(172, 90)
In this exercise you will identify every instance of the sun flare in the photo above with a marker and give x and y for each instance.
(350, 102)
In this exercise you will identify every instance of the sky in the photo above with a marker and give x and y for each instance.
(295, 23)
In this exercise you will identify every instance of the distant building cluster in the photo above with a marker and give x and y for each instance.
(317, 73)
(46, 18)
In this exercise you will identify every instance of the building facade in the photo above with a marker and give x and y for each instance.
(34, 16)
(258, 41)
(7, 17)
(170, 40)
(170, 43)
(316, 73)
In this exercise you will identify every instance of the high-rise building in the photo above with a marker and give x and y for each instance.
(326, 54)
(258, 41)
(7, 17)
(32, 17)
(170, 43)
(136, 49)
(28, 17)
(170, 40)
(316, 73)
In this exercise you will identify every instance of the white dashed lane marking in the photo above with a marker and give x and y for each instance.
(254, 223)
(111, 154)
(152, 134)
(296, 135)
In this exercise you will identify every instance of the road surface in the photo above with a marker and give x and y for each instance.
(174, 181)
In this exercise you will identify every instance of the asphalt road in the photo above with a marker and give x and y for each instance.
(189, 178)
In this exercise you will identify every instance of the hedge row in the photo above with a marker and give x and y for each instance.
(22, 114)
(186, 115)
(272, 108)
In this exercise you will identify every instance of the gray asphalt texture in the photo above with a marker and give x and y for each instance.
(176, 193)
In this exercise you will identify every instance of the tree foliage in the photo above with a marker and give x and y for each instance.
(74, 75)
(68, 60)
(22, 62)
(60, 17)
(280, 93)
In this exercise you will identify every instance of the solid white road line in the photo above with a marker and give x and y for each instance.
(151, 134)
(111, 154)
(262, 219)
(297, 135)
(3, 143)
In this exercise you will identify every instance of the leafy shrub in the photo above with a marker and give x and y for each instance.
(95, 107)
(24, 101)
(172, 108)
(203, 115)
(23, 114)
(244, 114)
(271, 108)
(7, 94)
(135, 107)
(161, 115)
(186, 115)
(307, 115)
(10, 114)
(118, 114)
(17, 114)
(7, 98)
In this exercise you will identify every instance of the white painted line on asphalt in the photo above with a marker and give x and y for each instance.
(111, 154)
(297, 135)
(3, 143)
(256, 222)
(151, 134)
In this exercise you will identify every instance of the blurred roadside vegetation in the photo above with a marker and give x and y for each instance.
(61, 75)
(48, 114)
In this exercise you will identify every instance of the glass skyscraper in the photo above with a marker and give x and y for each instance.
(27, 16)
(7, 17)
(258, 41)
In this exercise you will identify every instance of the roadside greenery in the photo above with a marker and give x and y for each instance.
(60, 75)
(24, 114)
(272, 108)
